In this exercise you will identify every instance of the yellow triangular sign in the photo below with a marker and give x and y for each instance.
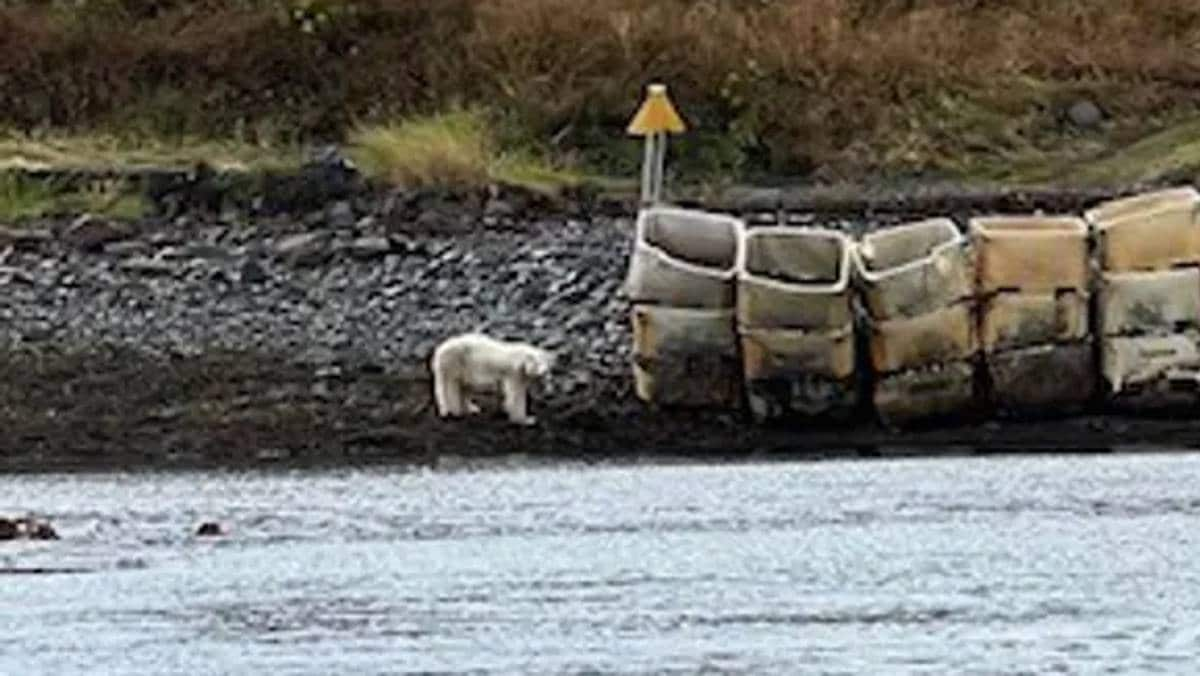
(656, 114)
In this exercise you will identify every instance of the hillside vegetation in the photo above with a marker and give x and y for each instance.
(820, 89)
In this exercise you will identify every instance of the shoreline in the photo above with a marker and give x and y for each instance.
(298, 336)
(451, 463)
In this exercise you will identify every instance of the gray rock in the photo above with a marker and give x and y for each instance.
(208, 252)
(9, 275)
(1085, 114)
(23, 238)
(252, 272)
(332, 371)
(432, 220)
(273, 454)
(217, 275)
(214, 234)
(305, 249)
(90, 233)
(147, 266)
(314, 220)
(165, 237)
(341, 216)
(127, 248)
(499, 207)
(366, 248)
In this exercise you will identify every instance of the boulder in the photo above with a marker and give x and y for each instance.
(91, 233)
(1085, 114)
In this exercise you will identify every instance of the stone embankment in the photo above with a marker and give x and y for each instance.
(291, 320)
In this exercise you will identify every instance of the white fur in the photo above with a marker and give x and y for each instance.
(474, 362)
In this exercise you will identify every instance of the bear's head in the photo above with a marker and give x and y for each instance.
(536, 363)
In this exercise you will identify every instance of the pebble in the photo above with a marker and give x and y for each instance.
(389, 296)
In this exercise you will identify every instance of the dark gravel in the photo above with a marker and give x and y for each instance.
(363, 295)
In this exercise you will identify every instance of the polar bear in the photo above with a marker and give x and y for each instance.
(474, 362)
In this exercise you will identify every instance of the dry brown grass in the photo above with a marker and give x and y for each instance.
(452, 149)
(849, 87)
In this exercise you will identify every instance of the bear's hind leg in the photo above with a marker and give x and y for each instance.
(449, 396)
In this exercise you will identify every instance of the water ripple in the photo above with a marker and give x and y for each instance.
(945, 566)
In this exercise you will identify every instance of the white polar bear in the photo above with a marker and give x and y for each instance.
(474, 362)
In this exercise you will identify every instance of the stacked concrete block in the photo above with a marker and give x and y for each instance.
(1148, 254)
(795, 321)
(1032, 285)
(917, 283)
(681, 281)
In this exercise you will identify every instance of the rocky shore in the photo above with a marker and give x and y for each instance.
(293, 324)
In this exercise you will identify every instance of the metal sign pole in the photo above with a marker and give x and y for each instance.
(648, 171)
(654, 120)
(660, 159)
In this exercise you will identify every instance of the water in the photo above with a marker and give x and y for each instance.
(1001, 565)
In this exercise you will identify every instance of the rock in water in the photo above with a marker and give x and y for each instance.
(42, 531)
(210, 529)
(26, 527)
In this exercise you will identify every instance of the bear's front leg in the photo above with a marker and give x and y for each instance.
(515, 401)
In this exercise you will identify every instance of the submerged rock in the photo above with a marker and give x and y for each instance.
(27, 528)
(210, 529)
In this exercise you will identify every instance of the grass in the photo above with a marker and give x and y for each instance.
(22, 198)
(99, 150)
(1171, 151)
(453, 149)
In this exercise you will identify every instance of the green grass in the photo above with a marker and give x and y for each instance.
(24, 198)
(459, 148)
(21, 197)
(1172, 150)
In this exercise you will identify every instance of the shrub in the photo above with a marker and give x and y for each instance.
(787, 86)
(456, 148)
